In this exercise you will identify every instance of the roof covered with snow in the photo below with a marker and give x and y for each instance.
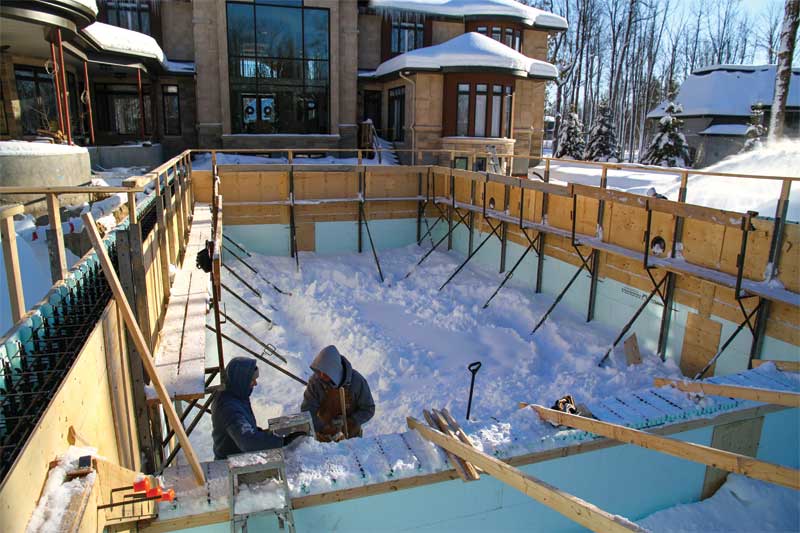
(476, 8)
(113, 39)
(726, 129)
(465, 51)
(730, 90)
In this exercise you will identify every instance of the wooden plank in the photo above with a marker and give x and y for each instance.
(454, 461)
(786, 398)
(141, 345)
(55, 240)
(700, 342)
(70, 520)
(731, 219)
(609, 195)
(739, 437)
(444, 427)
(75, 189)
(632, 354)
(732, 462)
(112, 476)
(7, 211)
(574, 508)
(785, 366)
(8, 235)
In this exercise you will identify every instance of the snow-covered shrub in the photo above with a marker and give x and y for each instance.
(602, 145)
(571, 138)
(755, 137)
(668, 148)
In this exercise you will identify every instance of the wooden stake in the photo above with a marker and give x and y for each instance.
(789, 399)
(632, 354)
(732, 462)
(574, 508)
(141, 346)
(55, 240)
(11, 259)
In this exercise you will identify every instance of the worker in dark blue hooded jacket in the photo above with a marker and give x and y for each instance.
(234, 425)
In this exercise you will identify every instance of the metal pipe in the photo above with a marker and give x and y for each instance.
(65, 87)
(141, 102)
(258, 356)
(470, 256)
(558, 298)
(247, 304)
(57, 86)
(88, 99)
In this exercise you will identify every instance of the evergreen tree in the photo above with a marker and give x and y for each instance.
(668, 148)
(755, 137)
(570, 139)
(602, 145)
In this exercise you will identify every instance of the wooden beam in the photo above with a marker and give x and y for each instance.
(11, 260)
(444, 427)
(72, 517)
(789, 399)
(732, 462)
(454, 461)
(141, 346)
(574, 508)
(73, 189)
(784, 366)
(731, 219)
(610, 195)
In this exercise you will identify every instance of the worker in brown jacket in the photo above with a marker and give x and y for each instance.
(335, 383)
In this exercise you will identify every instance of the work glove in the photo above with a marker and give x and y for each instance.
(338, 437)
(288, 439)
(203, 260)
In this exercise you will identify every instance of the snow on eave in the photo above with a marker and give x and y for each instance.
(529, 16)
(735, 130)
(468, 50)
(113, 39)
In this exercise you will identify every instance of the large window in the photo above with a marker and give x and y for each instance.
(278, 67)
(170, 99)
(117, 107)
(129, 14)
(37, 98)
(480, 109)
(397, 113)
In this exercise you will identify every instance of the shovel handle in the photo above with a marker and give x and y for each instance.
(474, 367)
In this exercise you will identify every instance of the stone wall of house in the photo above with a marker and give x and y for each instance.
(177, 28)
(369, 42)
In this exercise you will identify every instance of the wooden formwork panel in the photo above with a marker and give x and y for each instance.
(391, 210)
(306, 237)
(332, 212)
(700, 342)
(463, 188)
(756, 255)
(558, 212)
(202, 185)
(325, 185)
(440, 183)
(702, 243)
(255, 214)
(261, 186)
(783, 323)
(383, 184)
(155, 286)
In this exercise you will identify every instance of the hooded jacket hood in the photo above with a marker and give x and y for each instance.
(329, 361)
(239, 373)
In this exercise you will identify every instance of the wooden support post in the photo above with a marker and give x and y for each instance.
(172, 238)
(632, 354)
(55, 240)
(163, 246)
(450, 209)
(574, 508)
(732, 462)
(11, 260)
(141, 346)
(454, 461)
(471, 243)
(180, 212)
(789, 399)
(504, 229)
(216, 279)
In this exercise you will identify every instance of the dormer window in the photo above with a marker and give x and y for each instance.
(407, 36)
(507, 33)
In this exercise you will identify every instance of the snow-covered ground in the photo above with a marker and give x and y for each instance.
(413, 343)
(734, 194)
(741, 504)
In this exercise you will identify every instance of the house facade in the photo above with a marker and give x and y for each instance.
(427, 75)
(721, 101)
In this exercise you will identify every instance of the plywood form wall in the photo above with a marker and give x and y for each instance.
(95, 399)
(703, 243)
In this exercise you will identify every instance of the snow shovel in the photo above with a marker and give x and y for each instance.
(473, 368)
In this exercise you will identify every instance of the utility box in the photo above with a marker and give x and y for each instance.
(285, 425)
(258, 487)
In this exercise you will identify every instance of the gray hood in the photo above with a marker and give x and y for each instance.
(329, 361)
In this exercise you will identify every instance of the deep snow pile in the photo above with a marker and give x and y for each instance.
(413, 343)
(741, 504)
(734, 194)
